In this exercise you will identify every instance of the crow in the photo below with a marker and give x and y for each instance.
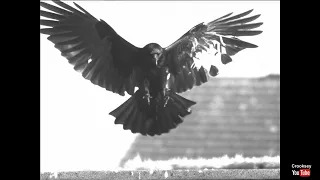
(106, 59)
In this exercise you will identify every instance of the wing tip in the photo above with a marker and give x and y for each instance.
(251, 10)
(254, 46)
(259, 24)
(258, 32)
(75, 4)
(257, 16)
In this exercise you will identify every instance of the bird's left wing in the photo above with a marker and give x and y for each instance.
(186, 69)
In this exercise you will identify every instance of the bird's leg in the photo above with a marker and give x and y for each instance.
(166, 85)
(165, 92)
(146, 89)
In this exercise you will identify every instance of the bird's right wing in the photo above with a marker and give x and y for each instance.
(92, 47)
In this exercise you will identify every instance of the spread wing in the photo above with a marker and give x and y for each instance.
(186, 69)
(92, 47)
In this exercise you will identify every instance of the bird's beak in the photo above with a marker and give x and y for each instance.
(155, 56)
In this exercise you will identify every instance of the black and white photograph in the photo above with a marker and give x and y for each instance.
(160, 89)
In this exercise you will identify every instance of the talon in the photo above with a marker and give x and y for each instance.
(147, 96)
(166, 100)
(166, 97)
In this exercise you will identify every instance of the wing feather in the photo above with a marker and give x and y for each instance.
(218, 19)
(92, 47)
(225, 19)
(52, 15)
(186, 69)
(55, 9)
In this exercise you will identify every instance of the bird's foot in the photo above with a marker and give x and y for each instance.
(166, 97)
(147, 96)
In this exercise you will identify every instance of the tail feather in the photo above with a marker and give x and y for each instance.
(137, 126)
(154, 119)
(183, 111)
(119, 111)
(174, 113)
(145, 124)
(181, 100)
(156, 128)
(125, 116)
(131, 118)
(166, 116)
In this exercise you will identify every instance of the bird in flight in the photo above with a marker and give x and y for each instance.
(102, 56)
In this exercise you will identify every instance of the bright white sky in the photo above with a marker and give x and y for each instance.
(76, 131)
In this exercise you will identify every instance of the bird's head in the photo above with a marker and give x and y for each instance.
(155, 51)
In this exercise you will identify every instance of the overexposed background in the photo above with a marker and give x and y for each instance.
(77, 133)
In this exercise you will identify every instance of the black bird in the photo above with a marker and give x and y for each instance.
(106, 59)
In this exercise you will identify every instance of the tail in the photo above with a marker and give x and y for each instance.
(157, 118)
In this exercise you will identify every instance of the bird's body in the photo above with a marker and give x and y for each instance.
(153, 109)
(155, 74)
(106, 59)
(152, 73)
